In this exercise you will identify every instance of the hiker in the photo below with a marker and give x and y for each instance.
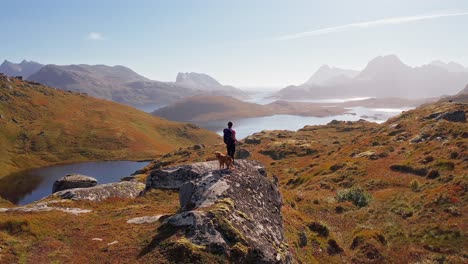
(230, 140)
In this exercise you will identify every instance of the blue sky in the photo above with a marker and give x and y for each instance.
(243, 43)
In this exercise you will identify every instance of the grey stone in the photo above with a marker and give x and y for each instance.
(220, 208)
(175, 177)
(242, 154)
(199, 146)
(101, 192)
(128, 178)
(454, 116)
(144, 219)
(252, 140)
(44, 207)
(71, 181)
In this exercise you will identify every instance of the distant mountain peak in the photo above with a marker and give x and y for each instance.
(195, 79)
(387, 60)
(325, 74)
(24, 68)
(450, 66)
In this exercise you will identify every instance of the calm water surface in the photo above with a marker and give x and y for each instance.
(31, 185)
(248, 126)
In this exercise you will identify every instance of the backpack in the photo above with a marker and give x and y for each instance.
(227, 136)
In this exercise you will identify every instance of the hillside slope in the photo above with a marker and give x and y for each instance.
(360, 192)
(352, 192)
(41, 126)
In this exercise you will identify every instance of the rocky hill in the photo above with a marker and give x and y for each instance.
(24, 69)
(210, 108)
(121, 84)
(116, 83)
(41, 126)
(386, 76)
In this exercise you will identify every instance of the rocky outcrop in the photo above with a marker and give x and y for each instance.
(71, 181)
(233, 213)
(242, 154)
(175, 177)
(454, 116)
(101, 192)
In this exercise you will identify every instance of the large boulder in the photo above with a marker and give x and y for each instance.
(175, 177)
(71, 181)
(101, 192)
(242, 154)
(454, 116)
(233, 213)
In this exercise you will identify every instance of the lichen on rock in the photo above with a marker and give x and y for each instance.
(231, 213)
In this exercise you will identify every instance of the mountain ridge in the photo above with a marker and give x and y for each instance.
(386, 76)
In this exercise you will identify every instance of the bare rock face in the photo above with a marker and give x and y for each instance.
(233, 213)
(101, 192)
(454, 116)
(71, 181)
(242, 154)
(175, 177)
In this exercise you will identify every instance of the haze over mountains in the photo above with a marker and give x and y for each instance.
(384, 76)
(119, 83)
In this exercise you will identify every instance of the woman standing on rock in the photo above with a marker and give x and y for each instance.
(230, 140)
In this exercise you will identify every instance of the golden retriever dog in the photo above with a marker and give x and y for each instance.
(224, 160)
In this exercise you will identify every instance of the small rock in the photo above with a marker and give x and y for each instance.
(367, 154)
(453, 211)
(395, 126)
(252, 140)
(199, 146)
(71, 181)
(128, 178)
(334, 248)
(302, 239)
(104, 191)
(112, 243)
(97, 239)
(433, 174)
(144, 219)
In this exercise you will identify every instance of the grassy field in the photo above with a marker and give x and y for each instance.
(42, 126)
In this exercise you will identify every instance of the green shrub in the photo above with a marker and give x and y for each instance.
(356, 195)
(415, 186)
(15, 227)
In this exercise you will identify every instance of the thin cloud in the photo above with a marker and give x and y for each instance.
(367, 24)
(95, 36)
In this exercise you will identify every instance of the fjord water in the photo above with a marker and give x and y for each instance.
(248, 126)
(31, 185)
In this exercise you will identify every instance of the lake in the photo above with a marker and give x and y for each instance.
(248, 126)
(31, 185)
